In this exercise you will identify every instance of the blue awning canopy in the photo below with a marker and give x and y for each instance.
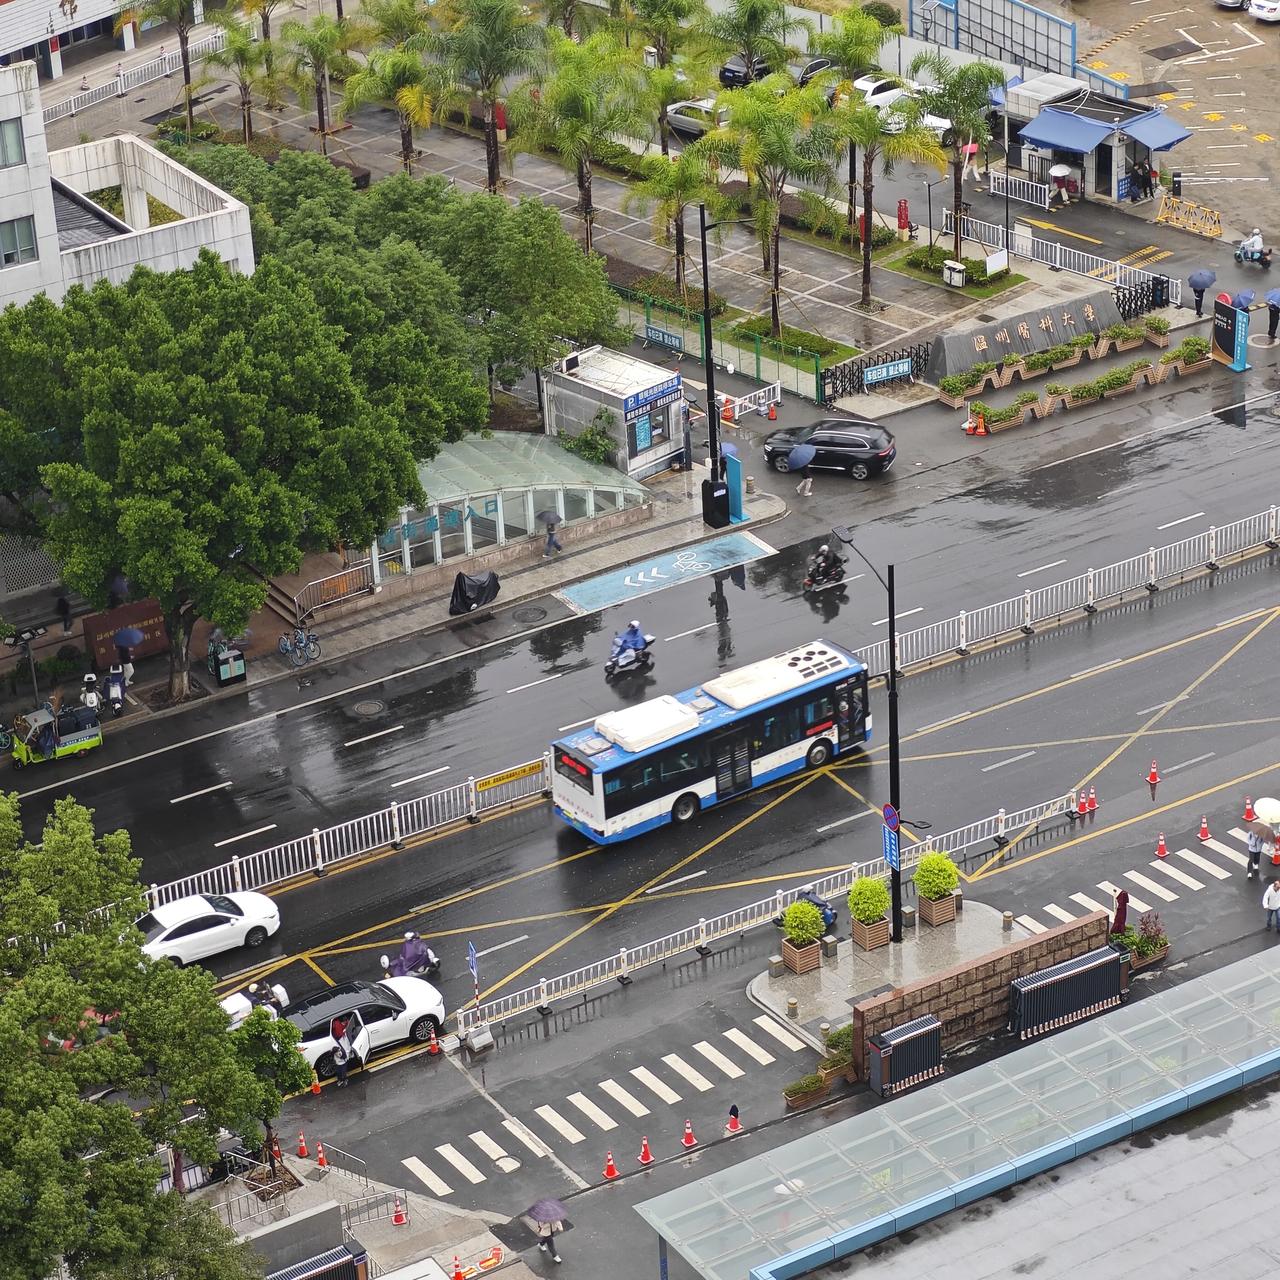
(1065, 132)
(1157, 131)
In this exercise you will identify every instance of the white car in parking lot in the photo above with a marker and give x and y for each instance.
(206, 924)
(1265, 10)
(885, 94)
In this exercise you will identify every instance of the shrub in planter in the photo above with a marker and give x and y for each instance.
(806, 1089)
(868, 909)
(1148, 942)
(957, 384)
(994, 417)
(802, 926)
(935, 879)
(1081, 391)
(1083, 341)
(1189, 351)
(840, 1041)
(1125, 332)
(1055, 389)
(1156, 324)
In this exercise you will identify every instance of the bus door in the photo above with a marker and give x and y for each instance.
(731, 754)
(851, 713)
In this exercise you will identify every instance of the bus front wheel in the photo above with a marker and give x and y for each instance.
(685, 807)
(819, 754)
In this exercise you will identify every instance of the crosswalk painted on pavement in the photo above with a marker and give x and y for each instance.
(729, 1056)
(1165, 879)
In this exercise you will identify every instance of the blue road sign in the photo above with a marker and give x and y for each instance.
(891, 817)
(664, 570)
(473, 961)
(889, 846)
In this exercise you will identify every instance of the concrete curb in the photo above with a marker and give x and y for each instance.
(795, 1027)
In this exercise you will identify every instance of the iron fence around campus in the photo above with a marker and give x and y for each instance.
(849, 377)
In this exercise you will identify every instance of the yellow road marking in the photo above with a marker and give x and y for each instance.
(1053, 226)
(311, 964)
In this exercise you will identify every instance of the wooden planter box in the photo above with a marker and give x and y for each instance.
(1012, 371)
(801, 959)
(952, 402)
(1129, 344)
(1157, 339)
(1071, 363)
(838, 1072)
(1120, 391)
(939, 910)
(1016, 421)
(1147, 961)
(805, 1099)
(1046, 406)
(1198, 367)
(1072, 403)
(871, 936)
(1100, 348)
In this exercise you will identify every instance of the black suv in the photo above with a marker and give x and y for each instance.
(733, 75)
(861, 448)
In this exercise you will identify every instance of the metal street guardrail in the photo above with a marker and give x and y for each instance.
(1024, 189)
(376, 1207)
(989, 831)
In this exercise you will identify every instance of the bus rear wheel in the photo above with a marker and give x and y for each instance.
(685, 807)
(819, 754)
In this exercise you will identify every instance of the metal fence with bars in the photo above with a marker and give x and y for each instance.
(356, 580)
(376, 1207)
(1024, 189)
(847, 377)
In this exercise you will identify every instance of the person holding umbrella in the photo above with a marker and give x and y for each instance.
(1199, 281)
(547, 1219)
(549, 520)
(1273, 312)
(124, 640)
(799, 460)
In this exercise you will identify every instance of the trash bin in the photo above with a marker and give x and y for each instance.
(230, 668)
(953, 273)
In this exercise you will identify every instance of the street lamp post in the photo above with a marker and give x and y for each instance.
(1007, 246)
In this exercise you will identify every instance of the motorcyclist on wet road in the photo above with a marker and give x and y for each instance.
(826, 562)
(1253, 243)
(632, 637)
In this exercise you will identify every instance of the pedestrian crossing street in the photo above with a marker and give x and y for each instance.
(1160, 881)
(643, 1092)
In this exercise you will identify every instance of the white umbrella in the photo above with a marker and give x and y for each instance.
(1267, 812)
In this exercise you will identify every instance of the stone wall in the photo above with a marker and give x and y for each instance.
(972, 1000)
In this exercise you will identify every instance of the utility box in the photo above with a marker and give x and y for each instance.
(230, 668)
(905, 1056)
(953, 273)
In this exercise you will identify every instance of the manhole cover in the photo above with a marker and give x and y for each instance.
(1175, 50)
(531, 613)
(986, 319)
(369, 707)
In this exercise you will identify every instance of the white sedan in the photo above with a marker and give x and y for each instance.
(1265, 10)
(205, 924)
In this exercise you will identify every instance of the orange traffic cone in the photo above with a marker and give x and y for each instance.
(1154, 776)
(1093, 801)
(688, 1140)
(726, 414)
(1162, 849)
(1249, 815)
(399, 1218)
(302, 1146)
(275, 1149)
(457, 1269)
(1082, 805)
(646, 1156)
(321, 1162)
(734, 1125)
(610, 1169)
(315, 1083)
(1204, 827)
(433, 1045)
(773, 413)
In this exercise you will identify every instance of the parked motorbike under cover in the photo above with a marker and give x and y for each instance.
(471, 590)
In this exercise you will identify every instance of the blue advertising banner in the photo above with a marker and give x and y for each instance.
(663, 392)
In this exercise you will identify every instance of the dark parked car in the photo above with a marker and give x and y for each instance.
(734, 74)
(861, 448)
(803, 72)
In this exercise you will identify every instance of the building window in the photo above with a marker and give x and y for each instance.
(17, 242)
(11, 149)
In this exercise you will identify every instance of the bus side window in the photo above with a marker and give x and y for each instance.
(817, 710)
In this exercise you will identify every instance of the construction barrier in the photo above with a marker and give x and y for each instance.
(1174, 211)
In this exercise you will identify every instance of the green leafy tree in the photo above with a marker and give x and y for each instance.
(318, 50)
(777, 135)
(960, 93)
(485, 45)
(757, 29)
(181, 14)
(676, 31)
(671, 188)
(593, 93)
(399, 80)
(241, 55)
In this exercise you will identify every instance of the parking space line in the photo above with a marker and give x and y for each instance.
(1150, 886)
(691, 1074)
(748, 1046)
(1203, 863)
(559, 1124)
(1028, 922)
(718, 1060)
(437, 1186)
(600, 1119)
(1180, 876)
(1052, 908)
(530, 1139)
(460, 1162)
(779, 1033)
(1134, 901)
(655, 1086)
(624, 1099)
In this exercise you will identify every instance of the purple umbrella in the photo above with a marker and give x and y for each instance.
(800, 457)
(1243, 300)
(1201, 279)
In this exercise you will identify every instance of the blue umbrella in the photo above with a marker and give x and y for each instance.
(1273, 297)
(127, 637)
(801, 456)
(1243, 299)
(1201, 279)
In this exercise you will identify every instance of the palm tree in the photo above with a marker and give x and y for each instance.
(317, 49)
(672, 187)
(397, 22)
(485, 45)
(670, 28)
(576, 18)
(889, 141)
(262, 10)
(756, 29)
(243, 57)
(853, 46)
(961, 94)
(593, 94)
(777, 135)
(182, 15)
(395, 78)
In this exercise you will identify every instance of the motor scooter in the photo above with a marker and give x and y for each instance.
(1258, 257)
(114, 689)
(828, 911)
(240, 1004)
(415, 960)
(624, 658)
(90, 698)
(817, 579)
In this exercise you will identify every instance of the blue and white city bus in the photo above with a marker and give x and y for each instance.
(666, 759)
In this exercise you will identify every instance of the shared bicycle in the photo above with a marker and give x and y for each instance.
(300, 646)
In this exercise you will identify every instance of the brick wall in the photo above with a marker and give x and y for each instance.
(972, 1000)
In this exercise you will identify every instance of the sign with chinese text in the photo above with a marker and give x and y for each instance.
(145, 615)
(664, 392)
(1230, 336)
(890, 371)
(663, 337)
(889, 847)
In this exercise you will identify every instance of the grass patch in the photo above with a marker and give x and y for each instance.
(112, 200)
(991, 289)
(797, 348)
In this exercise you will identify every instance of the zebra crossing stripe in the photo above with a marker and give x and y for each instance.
(1230, 854)
(1088, 903)
(437, 1186)
(628, 1101)
(655, 1086)
(1240, 834)
(559, 1124)
(1203, 863)
(530, 1140)
(1134, 901)
(1052, 908)
(593, 1113)
(1180, 876)
(742, 1041)
(779, 1033)
(488, 1146)
(1150, 886)
(718, 1060)
(1028, 922)
(460, 1162)
(691, 1074)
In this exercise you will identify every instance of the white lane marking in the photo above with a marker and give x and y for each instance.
(488, 1146)
(1204, 864)
(191, 795)
(1093, 671)
(1027, 922)
(748, 1046)
(1088, 903)
(1174, 874)
(693, 631)
(500, 946)
(1230, 854)
(1000, 764)
(418, 777)
(718, 1060)
(599, 1118)
(940, 724)
(1160, 528)
(1026, 573)
(853, 817)
(461, 1163)
(1134, 901)
(577, 724)
(1052, 908)
(1244, 617)
(666, 884)
(1150, 886)
(1160, 706)
(559, 1124)
(244, 835)
(655, 1086)
(906, 613)
(437, 1186)
(530, 1140)
(369, 737)
(624, 1099)
(533, 683)
(691, 1074)
(779, 1033)
(1186, 764)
